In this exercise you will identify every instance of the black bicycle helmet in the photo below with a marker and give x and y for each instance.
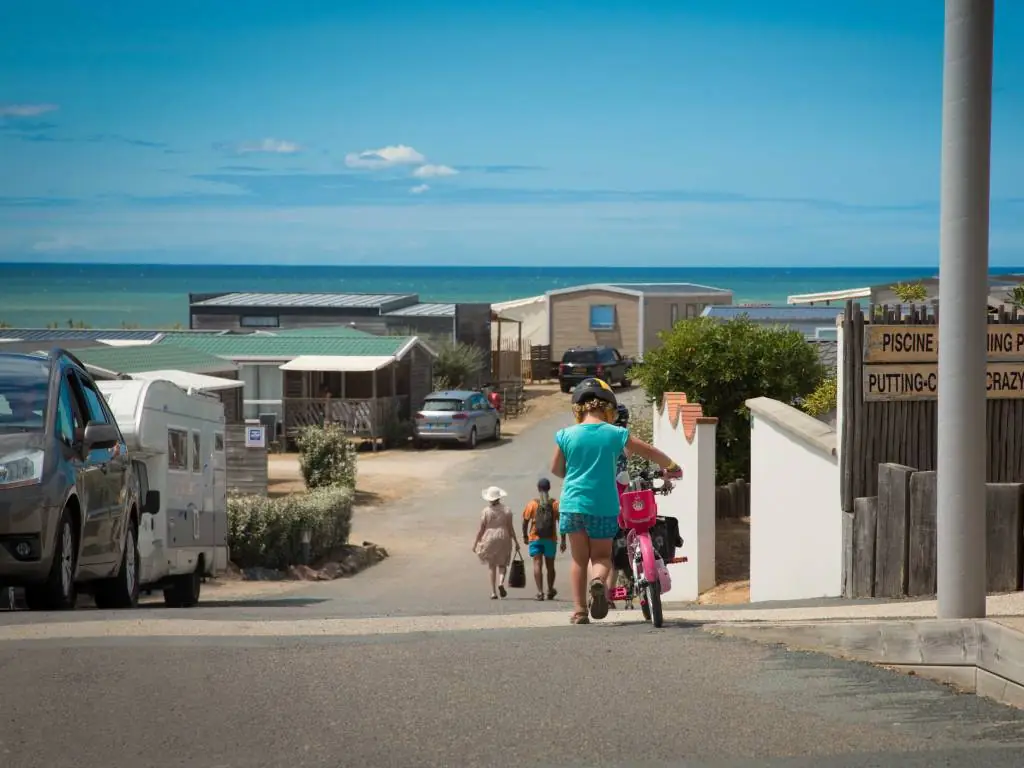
(593, 389)
(622, 416)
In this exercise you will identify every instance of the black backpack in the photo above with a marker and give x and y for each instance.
(544, 519)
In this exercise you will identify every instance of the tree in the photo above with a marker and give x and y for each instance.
(910, 293)
(721, 366)
(1015, 296)
(457, 364)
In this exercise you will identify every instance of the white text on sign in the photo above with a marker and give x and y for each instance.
(921, 382)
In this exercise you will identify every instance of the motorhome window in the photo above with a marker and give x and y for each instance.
(218, 442)
(259, 321)
(177, 449)
(197, 461)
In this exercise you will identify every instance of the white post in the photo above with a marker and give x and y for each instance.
(963, 291)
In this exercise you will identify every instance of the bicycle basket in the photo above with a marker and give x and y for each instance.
(637, 510)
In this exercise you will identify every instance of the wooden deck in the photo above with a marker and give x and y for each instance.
(363, 417)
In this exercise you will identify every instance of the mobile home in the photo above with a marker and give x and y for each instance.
(176, 442)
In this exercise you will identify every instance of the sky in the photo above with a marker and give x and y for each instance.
(570, 133)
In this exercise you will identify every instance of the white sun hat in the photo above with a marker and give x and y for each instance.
(493, 493)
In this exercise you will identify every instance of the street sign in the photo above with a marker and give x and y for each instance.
(920, 343)
(1004, 381)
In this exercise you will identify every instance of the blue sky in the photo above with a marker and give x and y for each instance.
(651, 133)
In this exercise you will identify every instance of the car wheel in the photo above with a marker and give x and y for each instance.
(497, 431)
(566, 388)
(58, 592)
(184, 590)
(122, 591)
(471, 442)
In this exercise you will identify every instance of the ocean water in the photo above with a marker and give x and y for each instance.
(156, 295)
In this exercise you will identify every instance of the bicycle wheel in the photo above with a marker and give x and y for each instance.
(653, 593)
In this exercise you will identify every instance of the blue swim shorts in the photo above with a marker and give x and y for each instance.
(544, 547)
(595, 526)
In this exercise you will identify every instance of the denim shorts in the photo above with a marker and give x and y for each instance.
(595, 526)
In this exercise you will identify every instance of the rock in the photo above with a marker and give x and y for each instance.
(262, 574)
(331, 570)
(303, 573)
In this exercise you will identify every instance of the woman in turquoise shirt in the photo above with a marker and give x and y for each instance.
(585, 456)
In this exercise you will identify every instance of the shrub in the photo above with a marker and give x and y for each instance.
(909, 293)
(641, 426)
(722, 365)
(326, 457)
(458, 364)
(1015, 296)
(267, 532)
(823, 399)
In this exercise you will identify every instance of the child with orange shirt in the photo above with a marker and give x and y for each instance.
(540, 529)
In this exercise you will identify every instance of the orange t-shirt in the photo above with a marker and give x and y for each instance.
(531, 512)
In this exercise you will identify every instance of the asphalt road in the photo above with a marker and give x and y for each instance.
(410, 664)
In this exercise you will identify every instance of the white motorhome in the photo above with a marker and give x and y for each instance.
(176, 442)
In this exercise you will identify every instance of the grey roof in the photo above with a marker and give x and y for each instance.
(45, 346)
(424, 310)
(681, 288)
(782, 314)
(828, 352)
(90, 334)
(323, 300)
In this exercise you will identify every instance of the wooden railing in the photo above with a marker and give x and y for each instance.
(359, 417)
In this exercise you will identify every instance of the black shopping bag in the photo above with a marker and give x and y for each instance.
(517, 572)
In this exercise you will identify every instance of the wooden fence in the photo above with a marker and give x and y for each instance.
(732, 500)
(540, 367)
(246, 467)
(904, 431)
(890, 543)
(507, 359)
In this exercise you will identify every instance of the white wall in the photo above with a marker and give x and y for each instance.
(683, 432)
(796, 530)
(531, 312)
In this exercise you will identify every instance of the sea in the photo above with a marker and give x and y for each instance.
(156, 295)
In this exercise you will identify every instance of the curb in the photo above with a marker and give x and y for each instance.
(975, 655)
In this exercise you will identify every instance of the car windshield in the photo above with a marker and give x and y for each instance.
(580, 356)
(446, 404)
(23, 387)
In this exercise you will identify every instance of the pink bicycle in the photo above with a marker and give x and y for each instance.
(638, 514)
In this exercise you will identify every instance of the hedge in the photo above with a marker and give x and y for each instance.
(267, 532)
(326, 457)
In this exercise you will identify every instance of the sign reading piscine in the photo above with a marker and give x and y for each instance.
(920, 343)
(1004, 381)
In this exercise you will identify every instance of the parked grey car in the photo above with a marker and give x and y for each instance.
(69, 510)
(457, 416)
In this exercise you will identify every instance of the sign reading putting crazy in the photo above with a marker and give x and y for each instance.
(920, 343)
(921, 381)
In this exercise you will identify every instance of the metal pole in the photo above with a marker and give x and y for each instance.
(963, 292)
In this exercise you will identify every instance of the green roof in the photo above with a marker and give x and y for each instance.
(289, 347)
(152, 357)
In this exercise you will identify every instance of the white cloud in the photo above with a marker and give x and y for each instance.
(420, 189)
(433, 171)
(270, 146)
(385, 157)
(26, 110)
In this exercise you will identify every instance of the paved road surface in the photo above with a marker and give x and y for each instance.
(410, 665)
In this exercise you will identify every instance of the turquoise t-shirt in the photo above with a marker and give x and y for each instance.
(591, 453)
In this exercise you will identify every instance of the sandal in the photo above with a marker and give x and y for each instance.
(580, 617)
(539, 597)
(502, 592)
(598, 600)
(552, 593)
(494, 596)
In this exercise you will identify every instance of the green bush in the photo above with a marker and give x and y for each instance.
(823, 399)
(267, 532)
(458, 364)
(910, 293)
(326, 457)
(1015, 297)
(721, 366)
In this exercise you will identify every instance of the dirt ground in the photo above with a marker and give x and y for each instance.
(732, 563)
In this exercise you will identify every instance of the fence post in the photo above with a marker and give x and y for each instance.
(922, 565)
(892, 541)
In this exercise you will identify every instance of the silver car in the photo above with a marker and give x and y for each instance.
(457, 416)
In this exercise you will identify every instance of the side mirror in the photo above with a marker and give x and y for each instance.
(152, 504)
(99, 435)
(658, 483)
(622, 478)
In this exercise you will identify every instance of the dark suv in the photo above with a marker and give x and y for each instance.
(579, 363)
(69, 510)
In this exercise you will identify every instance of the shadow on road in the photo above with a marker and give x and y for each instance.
(284, 602)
